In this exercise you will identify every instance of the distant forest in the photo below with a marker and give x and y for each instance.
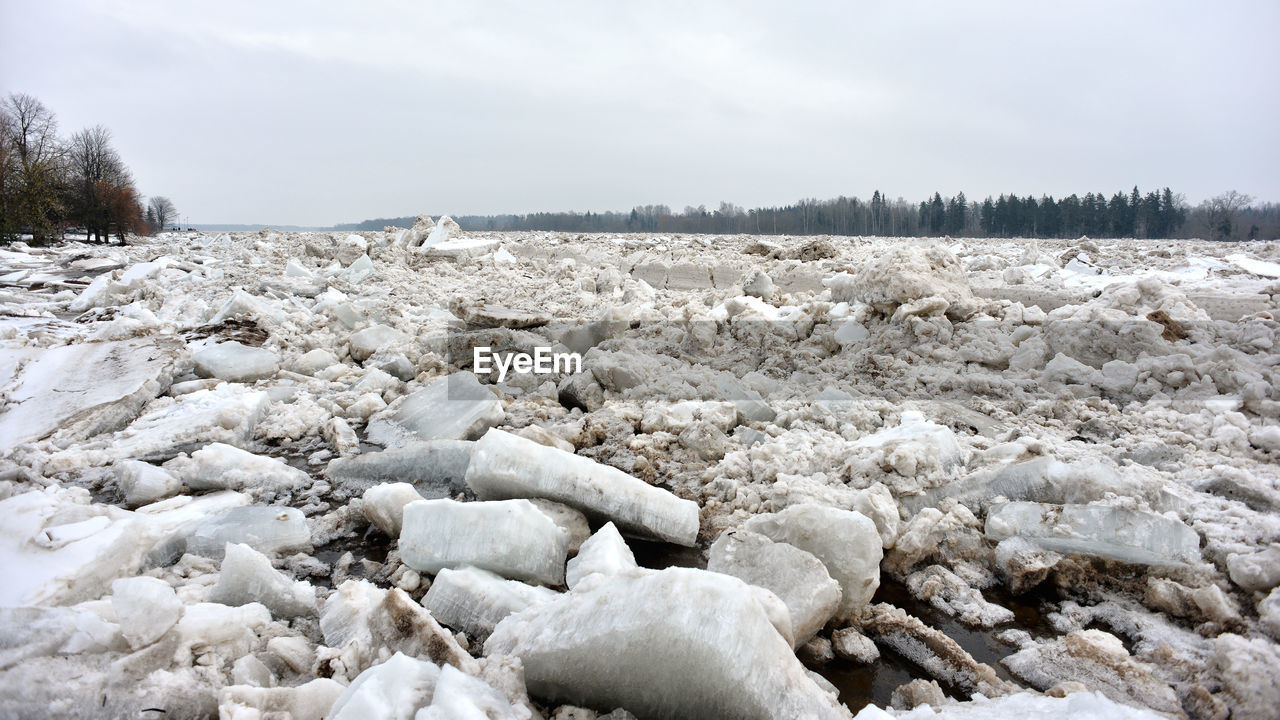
(1155, 214)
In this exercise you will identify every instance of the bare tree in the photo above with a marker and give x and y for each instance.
(1220, 212)
(31, 137)
(95, 169)
(164, 211)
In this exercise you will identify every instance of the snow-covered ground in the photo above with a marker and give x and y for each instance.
(230, 464)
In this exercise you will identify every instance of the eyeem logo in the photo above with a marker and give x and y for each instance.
(542, 362)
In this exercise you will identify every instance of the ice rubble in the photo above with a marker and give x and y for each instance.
(1124, 388)
(504, 465)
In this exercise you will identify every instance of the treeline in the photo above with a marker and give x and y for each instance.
(1155, 214)
(50, 184)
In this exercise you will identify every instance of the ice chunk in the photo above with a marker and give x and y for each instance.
(358, 271)
(915, 446)
(1099, 660)
(750, 405)
(1023, 564)
(444, 229)
(951, 594)
(572, 522)
(797, 577)
(268, 529)
(1117, 533)
(852, 645)
(308, 701)
(454, 407)
(675, 417)
(932, 650)
(293, 268)
(384, 505)
(247, 576)
(464, 247)
(1258, 571)
(474, 601)
(643, 643)
(56, 548)
(145, 607)
(459, 696)
(1024, 705)
(234, 362)
(394, 690)
(504, 465)
(604, 552)
(230, 631)
(143, 483)
(1269, 614)
(435, 468)
(1042, 479)
(366, 621)
(314, 361)
(227, 414)
(370, 340)
(51, 391)
(218, 466)
(350, 248)
(35, 632)
(846, 542)
(510, 537)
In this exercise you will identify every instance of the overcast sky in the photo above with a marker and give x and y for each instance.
(315, 113)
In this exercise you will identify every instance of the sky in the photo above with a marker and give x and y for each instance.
(315, 113)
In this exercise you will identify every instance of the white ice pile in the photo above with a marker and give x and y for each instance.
(504, 465)
(246, 474)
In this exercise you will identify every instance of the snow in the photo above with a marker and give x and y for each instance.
(52, 392)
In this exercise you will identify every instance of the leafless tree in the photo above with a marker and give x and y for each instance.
(163, 210)
(31, 139)
(94, 166)
(1221, 212)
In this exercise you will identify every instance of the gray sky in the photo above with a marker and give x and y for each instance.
(315, 113)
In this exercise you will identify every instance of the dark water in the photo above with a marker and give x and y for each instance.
(875, 683)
